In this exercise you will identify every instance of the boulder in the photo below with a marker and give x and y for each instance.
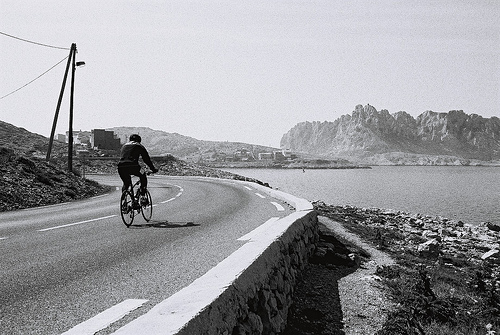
(429, 234)
(493, 226)
(429, 249)
(492, 255)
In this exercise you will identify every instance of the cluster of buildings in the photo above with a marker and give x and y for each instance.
(102, 140)
(245, 155)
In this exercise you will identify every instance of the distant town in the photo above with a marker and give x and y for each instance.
(105, 143)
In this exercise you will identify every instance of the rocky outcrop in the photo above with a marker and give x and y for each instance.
(368, 133)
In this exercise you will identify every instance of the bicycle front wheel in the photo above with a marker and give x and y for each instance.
(126, 208)
(146, 206)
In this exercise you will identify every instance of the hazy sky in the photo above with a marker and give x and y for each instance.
(246, 70)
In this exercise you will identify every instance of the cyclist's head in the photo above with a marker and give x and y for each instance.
(135, 138)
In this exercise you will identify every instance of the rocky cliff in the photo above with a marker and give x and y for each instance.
(377, 136)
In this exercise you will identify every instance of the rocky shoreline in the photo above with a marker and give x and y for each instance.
(447, 277)
(449, 241)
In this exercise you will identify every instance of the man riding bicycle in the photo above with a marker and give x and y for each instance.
(129, 162)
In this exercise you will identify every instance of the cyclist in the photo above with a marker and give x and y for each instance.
(129, 162)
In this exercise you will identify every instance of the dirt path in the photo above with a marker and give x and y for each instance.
(338, 292)
(363, 302)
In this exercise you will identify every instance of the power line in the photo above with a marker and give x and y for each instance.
(34, 79)
(22, 39)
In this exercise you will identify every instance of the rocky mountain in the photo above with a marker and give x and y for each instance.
(372, 136)
(161, 143)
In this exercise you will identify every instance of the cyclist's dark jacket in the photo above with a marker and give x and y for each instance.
(130, 154)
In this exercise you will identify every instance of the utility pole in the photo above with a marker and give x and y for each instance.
(70, 137)
(56, 116)
(72, 61)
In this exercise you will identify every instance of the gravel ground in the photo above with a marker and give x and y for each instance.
(336, 297)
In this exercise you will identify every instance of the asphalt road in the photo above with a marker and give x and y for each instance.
(62, 265)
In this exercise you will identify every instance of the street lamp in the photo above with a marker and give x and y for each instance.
(70, 132)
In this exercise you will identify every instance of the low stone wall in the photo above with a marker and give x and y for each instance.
(249, 292)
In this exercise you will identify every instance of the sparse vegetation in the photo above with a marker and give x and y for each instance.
(449, 294)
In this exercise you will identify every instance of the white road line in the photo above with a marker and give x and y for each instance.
(164, 202)
(248, 188)
(3, 238)
(104, 319)
(176, 196)
(77, 223)
(260, 195)
(278, 206)
(260, 228)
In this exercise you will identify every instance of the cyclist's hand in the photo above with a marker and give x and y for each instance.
(154, 170)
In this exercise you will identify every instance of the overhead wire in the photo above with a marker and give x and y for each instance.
(41, 44)
(28, 41)
(34, 79)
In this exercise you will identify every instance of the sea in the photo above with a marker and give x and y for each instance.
(470, 194)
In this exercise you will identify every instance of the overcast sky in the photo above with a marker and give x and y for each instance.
(246, 71)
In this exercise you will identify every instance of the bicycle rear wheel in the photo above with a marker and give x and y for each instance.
(146, 206)
(126, 208)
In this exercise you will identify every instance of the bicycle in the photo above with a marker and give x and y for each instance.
(131, 203)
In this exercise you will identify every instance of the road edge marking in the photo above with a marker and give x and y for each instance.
(106, 318)
(262, 227)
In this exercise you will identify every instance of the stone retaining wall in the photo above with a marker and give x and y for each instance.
(249, 292)
(257, 301)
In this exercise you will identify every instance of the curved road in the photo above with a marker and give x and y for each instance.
(62, 265)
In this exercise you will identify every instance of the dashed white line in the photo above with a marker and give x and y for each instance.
(77, 223)
(105, 318)
(278, 206)
(248, 188)
(260, 195)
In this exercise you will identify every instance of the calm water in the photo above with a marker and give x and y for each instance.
(470, 194)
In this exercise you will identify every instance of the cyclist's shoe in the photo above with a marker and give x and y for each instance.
(136, 205)
(144, 201)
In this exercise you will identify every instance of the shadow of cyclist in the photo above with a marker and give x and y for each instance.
(164, 224)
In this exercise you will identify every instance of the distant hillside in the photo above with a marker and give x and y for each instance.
(26, 143)
(160, 143)
(377, 137)
(28, 180)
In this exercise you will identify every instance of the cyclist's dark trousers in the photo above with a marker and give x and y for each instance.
(126, 171)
